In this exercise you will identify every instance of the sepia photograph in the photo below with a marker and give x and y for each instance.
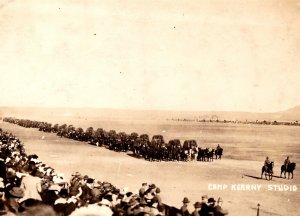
(149, 108)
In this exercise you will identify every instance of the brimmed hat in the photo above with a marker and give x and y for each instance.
(76, 174)
(132, 202)
(90, 180)
(10, 173)
(105, 202)
(107, 186)
(54, 187)
(211, 200)
(17, 192)
(185, 200)
(152, 186)
(197, 205)
(96, 185)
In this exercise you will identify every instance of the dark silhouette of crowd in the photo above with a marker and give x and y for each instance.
(30, 187)
(140, 146)
(214, 119)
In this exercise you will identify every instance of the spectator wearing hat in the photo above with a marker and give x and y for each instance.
(64, 205)
(204, 207)
(196, 212)
(184, 208)
(75, 184)
(50, 195)
(131, 205)
(211, 206)
(12, 179)
(86, 194)
(95, 193)
(151, 189)
(219, 211)
(157, 197)
(142, 190)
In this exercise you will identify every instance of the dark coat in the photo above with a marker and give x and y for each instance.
(49, 197)
(204, 210)
(219, 211)
(184, 211)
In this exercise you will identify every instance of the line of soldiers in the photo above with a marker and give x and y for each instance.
(141, 146)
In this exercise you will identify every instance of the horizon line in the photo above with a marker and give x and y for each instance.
(137, 109)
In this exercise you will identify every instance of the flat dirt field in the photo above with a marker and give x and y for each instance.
(245, 149)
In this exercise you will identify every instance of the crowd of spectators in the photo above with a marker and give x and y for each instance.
(30, 187)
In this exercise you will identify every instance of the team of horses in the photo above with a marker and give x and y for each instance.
(141, 146)
(268, 170)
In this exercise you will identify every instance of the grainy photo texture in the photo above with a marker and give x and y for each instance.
(149, 107)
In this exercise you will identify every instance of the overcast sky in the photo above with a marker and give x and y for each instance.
(176, 55)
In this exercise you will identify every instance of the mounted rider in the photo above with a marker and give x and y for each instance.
(267, 163)
(286, 162)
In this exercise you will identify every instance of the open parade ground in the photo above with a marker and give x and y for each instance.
(235, 178)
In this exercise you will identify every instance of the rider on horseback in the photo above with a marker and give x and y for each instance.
(267, 162)
(286, 162)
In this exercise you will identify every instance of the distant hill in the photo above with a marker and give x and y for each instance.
(41, 114)
(292, 114)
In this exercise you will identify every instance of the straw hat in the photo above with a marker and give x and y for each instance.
(17, 192)
(54, 187)
(185, 200)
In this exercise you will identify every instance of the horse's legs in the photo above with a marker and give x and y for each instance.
(266, 175)
(284, 174)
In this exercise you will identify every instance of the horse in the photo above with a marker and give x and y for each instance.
(289, 169)
(219, 153)
(268, 170)
(210, 155)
